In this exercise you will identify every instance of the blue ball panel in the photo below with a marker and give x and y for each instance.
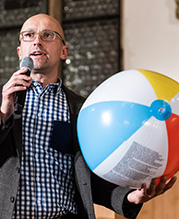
(104, 126)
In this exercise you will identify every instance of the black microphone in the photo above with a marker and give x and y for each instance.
(26, 62)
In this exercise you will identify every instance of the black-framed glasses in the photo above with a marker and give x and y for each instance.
(46, 35)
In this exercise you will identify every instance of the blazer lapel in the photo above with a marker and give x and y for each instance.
(82, 172)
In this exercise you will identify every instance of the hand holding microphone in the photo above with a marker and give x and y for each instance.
(27, 63)
(14, 91)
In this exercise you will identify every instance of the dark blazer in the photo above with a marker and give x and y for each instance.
(89, 188)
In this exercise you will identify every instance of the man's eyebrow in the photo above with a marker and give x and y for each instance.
(30, 29)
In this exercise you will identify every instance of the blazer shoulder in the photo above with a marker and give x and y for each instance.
(74, 100)
(71, 94)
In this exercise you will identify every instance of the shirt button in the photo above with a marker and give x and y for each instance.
(18, 169)
(12, 199)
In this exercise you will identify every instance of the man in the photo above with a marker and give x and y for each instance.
(42, 171)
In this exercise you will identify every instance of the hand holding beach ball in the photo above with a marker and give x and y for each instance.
(128, 128)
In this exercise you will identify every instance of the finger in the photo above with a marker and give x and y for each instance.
(20, 74)
(144, 188)
(19, 80)
(22, 82)
(152, 187)
(170, 183)
(21, 71)
(20, 77)
(17, 88)
(161, 185)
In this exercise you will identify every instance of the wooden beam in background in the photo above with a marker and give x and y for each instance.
(55, 9)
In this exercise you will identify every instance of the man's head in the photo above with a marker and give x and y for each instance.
(42, 39)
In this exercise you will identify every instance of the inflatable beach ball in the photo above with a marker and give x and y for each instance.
(128, 128)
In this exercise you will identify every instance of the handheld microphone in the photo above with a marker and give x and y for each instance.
(26, 62)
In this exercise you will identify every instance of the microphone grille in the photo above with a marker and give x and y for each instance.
(27, 62)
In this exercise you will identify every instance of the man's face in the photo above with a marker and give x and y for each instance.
(46, 55)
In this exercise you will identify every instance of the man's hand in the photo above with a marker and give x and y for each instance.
(18, 82)
(145, 194)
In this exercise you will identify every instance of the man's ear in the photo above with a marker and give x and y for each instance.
(19, 52)
(64, 52)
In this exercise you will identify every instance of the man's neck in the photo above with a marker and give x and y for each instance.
(44, 80)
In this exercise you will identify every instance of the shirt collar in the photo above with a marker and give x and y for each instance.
(56, 87)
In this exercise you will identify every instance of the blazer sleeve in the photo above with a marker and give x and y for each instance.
(113, 197)
(4, 128)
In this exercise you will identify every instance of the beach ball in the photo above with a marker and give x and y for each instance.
(128, 128)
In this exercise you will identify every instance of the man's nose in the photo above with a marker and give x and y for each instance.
(37, 39)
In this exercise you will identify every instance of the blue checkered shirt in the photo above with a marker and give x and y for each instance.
(46, 185)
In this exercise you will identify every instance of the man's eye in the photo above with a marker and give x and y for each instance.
(29, 35)
(48, 35)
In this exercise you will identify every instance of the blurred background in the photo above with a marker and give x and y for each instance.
(104, 37)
